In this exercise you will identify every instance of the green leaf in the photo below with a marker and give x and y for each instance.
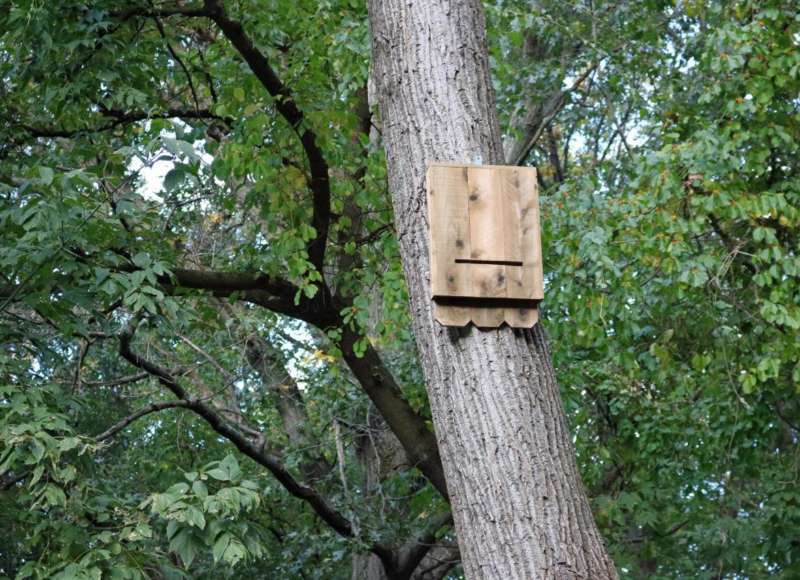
(229, 548)
(142, 260)
(174, 178)
(46, 175)
(194, 517)
(221, 545)
(227, 470)
(200, 490)
(143, 531)
(68, 443)
(185, 545)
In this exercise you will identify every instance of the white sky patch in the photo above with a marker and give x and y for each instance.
(152, 173)
(152, 176)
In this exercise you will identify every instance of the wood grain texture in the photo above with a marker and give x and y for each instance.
(447, 190)
(451, 315)
(485, 244)
(485, 236)
(508, 190)
(485, 209)
(533, 270)
(521, 317)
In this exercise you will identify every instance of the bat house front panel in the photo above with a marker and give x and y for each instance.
(484, 232)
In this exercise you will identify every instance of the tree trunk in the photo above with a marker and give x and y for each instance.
(519, 506)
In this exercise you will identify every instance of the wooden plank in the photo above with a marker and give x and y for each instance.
(480, 214)
(451, 315)
(448, 223)
(486, 243)
(509, 188)
(486, 233)
(449, 239)
(521, 317)
(532, 275)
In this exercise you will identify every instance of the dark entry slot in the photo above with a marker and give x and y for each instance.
(486, 302)
(490, 262)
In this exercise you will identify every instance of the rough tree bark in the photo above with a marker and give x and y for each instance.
(519, 506)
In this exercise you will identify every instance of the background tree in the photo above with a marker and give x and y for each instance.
(244, 434)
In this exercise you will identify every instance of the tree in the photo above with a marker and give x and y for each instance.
(517, 499)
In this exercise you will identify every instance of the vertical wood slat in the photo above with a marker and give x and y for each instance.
(527, 282)
(507, 184)
(485, 233)
(512, 241)
(449, 226)
(486, 243)
(532, 271)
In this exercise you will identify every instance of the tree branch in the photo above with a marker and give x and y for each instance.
(178, 59)
(233, 282)
(151, 408)
(288, 109)
(539, 117)
(333, 518)
(417, 440)
(437, 562)
(116, 382)
(272, 293)
(284, 102)
(376, 380)
(417, 547)
(326, 512)
(378, 383)
(370, 371)
(119, 118)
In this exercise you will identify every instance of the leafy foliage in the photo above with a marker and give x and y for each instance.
(153, 190)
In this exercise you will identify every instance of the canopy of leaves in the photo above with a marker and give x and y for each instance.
(198, 257)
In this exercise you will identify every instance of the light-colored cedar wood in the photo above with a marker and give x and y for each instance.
(486, 243)
(452, 315)
(532, 270)
(487, 213)
(486, 232)
(488, 316)
(502, 224)
(521, 317)
(507, 184)
(449, 227)
(513, 246)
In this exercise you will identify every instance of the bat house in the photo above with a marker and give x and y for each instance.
(485, 245)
